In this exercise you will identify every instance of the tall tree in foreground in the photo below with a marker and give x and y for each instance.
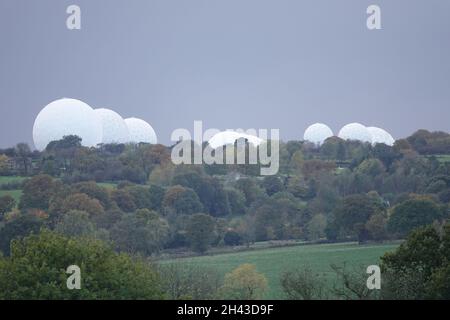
(420, 267)
(244, 283)
(37, 267)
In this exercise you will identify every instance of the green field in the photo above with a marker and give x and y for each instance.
(9, 179)
(443, 158)
(16, 194)
(272, 262)
(107, 185)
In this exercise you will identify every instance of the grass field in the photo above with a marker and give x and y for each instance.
(9, 179)
(273, 262)
(107, 185)
(444, 158)
(16, 194)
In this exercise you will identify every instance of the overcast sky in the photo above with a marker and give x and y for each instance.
(231, 63)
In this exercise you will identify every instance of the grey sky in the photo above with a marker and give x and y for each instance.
(231, 63)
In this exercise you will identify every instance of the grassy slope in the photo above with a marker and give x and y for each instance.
(272, 262)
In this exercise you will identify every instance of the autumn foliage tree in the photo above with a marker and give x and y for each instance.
(244, 283)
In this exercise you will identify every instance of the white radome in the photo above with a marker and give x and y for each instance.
(229, 137)
(355, 131)
(66, 117)
(317, 133)
(140, 131)
(114, 128)
(380, 136)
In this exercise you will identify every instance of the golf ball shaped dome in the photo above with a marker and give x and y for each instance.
(355, 131)
(114, 128)
(66, 117)
(140, 131)
(317, 133)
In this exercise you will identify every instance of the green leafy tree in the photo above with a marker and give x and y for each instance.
(354, 212)
(200, 231)
(232, 238)
(156, 195)
(140, 232)
(371, 167)
(75, 223)
(418, 269)
(181, 200)
(412, 214)
(251, 190)
(272, 185)
(316, 226)
(23, 158)
(18, 227)
(38, 263)
(236, 199)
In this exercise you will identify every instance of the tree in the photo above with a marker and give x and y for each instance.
(18, 227)
(376, 226)
(268, 222)
(244, 283)
(162, 175)
(23, 156)
(418, 269)
(7, 203)
(385, 154)
(200, 230)
(303, 284)
(82, 202)
(412, 214)
(236, 199)
(272, 185)
(439, 284)
(75, 223)
(156, 195)
(352, 283)
(371, 167)
(354, 212)
(141, 196)
(67, 142)
(4, 165)
(316, 227)
(250, 189)
(181, 200)
(140, 232)
(37, 192)
(124, 200)
(232, 238)
(38, 263)
(209, 190)
(187, 281)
